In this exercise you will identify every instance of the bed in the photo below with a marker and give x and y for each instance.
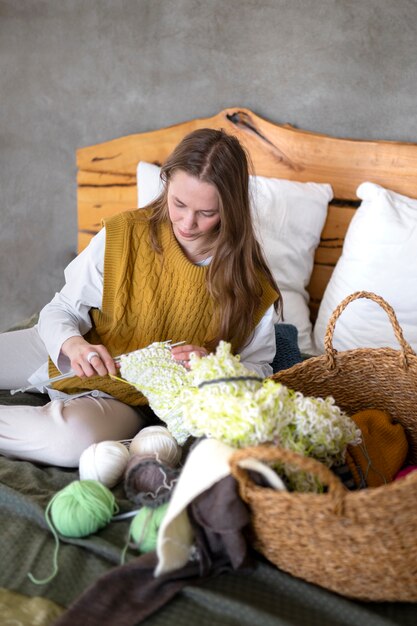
(109, 181)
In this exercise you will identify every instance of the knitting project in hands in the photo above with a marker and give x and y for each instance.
(220, 398)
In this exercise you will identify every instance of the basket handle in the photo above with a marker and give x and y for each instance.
(406, 349)
(271, 453)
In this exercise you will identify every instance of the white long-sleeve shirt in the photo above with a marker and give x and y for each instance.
(67, 314)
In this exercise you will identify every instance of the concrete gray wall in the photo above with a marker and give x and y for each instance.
(78, 72)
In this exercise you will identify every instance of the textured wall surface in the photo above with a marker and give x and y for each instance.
(78, 72)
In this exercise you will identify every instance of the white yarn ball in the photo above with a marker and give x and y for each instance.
(157, 441)
(105, 461)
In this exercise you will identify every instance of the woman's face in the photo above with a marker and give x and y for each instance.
(193, 207)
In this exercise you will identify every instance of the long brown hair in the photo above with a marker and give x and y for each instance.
(233, 277)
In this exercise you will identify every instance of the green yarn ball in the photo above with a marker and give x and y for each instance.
(82, 508)
(145, 526)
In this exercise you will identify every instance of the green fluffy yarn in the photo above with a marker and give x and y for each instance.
(82, 508)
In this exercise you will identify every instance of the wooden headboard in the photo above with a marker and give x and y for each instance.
(107, 173)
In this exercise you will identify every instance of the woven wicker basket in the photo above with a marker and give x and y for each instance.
(361, 544)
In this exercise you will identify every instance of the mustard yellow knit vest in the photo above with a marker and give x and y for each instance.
(147, 297)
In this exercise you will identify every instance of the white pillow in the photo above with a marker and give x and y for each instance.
(379, 255)
(149, 185)
(289, 217)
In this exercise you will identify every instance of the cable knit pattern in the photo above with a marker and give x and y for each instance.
(147, 297)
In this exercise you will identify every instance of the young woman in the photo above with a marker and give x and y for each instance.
(186, 268)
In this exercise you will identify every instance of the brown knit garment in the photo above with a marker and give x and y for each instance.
(383, 450)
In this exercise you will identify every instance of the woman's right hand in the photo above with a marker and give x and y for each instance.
(87, 359)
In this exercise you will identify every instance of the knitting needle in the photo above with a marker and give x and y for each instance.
(71, 373)
(123, 516)
(55, 379)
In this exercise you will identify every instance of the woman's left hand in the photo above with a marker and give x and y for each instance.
(182, 354)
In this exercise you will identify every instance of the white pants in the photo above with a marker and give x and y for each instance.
(58, 432)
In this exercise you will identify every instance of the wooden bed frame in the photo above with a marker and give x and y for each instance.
(107, 173)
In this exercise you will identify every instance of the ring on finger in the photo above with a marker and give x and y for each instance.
(91, 356)
(199, 354)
